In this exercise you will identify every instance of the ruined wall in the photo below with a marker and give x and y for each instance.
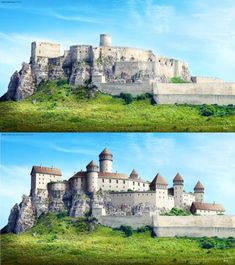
(194, 226)
(44, 49)
(207, 93)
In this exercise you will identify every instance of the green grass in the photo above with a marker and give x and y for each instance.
(56, 240)
(58, 107)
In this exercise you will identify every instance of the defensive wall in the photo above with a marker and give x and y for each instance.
(171, 226)
(169, 93)
(194, 226)
(190, 93)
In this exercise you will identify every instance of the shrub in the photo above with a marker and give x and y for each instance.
(61, 215)
(128, 230)
(218, 243)
(177, 212)
(144, 96)
(127, 97)
(178, 80)
(61, 82)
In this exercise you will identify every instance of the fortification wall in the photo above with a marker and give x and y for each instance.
(124, 53)
(205, 79)
(207, 93)
(133, 221)
(194, 226)
(44, 49)
(133, 88)
(132, 198)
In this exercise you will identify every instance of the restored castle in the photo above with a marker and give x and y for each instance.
(124, 191)
(116, 199)
(115, 70)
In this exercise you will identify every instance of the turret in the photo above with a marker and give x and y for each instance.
(158, 183)
(106, 161)
(105, 40)
(199, 192)
(92, 177)
(178, 184)
(134, 174)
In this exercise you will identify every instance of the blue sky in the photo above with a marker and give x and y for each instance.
(205, 157)
(200, 32)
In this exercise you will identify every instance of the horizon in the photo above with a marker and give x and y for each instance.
(187, 30)
(149, 153)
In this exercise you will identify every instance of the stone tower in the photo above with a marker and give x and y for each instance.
(106, 161)
(178, 184)
(105, 40)
(92, 177)
(199, 192)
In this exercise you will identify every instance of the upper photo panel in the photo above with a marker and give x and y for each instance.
(136, 65)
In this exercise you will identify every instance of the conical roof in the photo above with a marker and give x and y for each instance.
(92, 164)
(105, 152)
(134, 174)
(199, 186)
(158, 180)
(178, 177)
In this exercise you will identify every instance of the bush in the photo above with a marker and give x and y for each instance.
(61, 215)
(144, 96)
(177, 212)
(178, 80)
(127, 97)
(218, 111)
(128, 230)
(61, 82)
(217, 243)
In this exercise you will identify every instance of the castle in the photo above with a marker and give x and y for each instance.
(124, 191)
(115, 70)
(116, 199)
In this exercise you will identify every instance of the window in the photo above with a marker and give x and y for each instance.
(143, 185)
(138, 184)
(116, 181)
(110, 181)
(133, 183)
(124, 182)
(102, 180)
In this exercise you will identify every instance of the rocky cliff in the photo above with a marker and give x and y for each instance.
(24, 215)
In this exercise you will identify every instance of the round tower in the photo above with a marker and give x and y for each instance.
(178, 184)
(92, 177)
(106, 161)
(199, 192)
(105, 40)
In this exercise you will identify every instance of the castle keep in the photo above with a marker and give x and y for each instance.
(114, 70)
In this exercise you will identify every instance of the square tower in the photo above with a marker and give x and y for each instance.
(40, 177)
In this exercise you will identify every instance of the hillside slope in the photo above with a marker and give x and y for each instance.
(56, 106)
(58, 239)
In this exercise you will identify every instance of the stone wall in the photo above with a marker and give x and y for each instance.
(133, 88)
(205, 79)
(44, 49)
(207, 93)
(133, 221)
(194, 226)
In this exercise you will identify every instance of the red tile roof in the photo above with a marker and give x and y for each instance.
(207, 206)
(178, 177)
(158, 180)
(46, 170)
(199, 186)
(134, 174)
(105, 152)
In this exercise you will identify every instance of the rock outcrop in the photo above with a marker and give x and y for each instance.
(21, 84)
(24, 215)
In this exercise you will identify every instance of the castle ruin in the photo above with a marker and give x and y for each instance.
(114, 70)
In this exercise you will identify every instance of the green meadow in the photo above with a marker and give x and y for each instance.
(58, 107)
(65, 240)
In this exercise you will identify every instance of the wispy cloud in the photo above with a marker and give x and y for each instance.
(76, 150)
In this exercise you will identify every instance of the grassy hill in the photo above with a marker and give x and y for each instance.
(63, 240)
(56, 106)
